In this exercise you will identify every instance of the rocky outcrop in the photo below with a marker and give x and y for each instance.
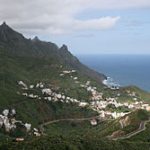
(125, 122)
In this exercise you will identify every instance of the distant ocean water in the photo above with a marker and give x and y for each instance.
(124, 69)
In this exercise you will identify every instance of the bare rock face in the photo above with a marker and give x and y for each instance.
(125, 122)
(117, 134)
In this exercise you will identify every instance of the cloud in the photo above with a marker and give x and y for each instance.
(117, 4)
(97, 24)
(59, 17)
(84, 35)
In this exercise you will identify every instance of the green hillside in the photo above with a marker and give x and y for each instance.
(41, 83)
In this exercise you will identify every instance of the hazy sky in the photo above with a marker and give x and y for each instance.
(86, 26)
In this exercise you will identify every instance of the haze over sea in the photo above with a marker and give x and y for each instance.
(124, 69)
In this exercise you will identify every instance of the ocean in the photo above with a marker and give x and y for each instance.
(123, 69)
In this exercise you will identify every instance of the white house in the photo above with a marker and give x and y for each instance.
(13, 112)
(83, 104)
(5, 112)
(47, 91)
(93, 122)
(31, 86)
(28, 126)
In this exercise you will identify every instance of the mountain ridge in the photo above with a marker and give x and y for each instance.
(15, 44)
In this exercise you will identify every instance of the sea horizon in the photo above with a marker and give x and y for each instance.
(125, 69)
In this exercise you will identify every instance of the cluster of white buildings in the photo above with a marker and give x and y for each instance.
(36, 132)
(109, 114)
(70, 73)
(5, 122)
(8, 121)
(93, 90)
(65, 72)
(100, 107)
(137, 105)
(49, 94)
(97, 102)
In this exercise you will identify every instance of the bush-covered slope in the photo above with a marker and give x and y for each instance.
(34, 62)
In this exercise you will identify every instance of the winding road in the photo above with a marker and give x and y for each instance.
(141, 128)
(41, 126)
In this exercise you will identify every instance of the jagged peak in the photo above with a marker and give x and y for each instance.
(36, 38)
(4, 26)
(4, 23)
(8, 34)
(64, 47)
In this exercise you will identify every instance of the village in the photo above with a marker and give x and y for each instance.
(97, 102)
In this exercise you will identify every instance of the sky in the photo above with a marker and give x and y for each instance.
(85, 26)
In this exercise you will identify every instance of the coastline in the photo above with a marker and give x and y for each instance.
(126, 70)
